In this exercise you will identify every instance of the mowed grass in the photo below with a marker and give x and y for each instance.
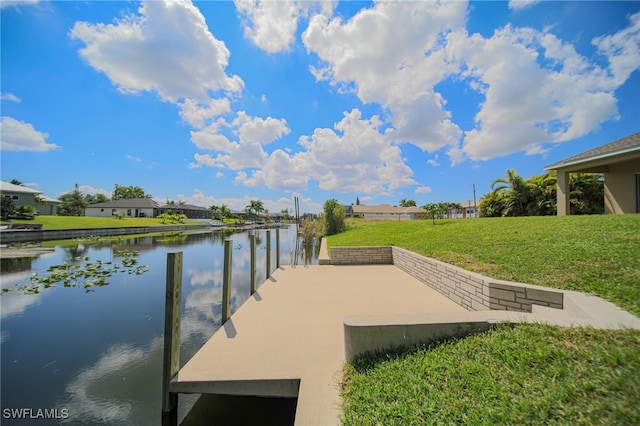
(512, 374)
(86, 222)
(598, 254)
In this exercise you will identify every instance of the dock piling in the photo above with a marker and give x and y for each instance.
(226, 281)
(173, 303)
(171, 354)
(252, 244)
(268, 253)
(277, 248)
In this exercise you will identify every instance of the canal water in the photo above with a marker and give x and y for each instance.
(94, 358)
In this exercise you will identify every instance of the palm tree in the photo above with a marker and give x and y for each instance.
(515, 191)
(492, 204)
(215, 211)
(453, 207)
(256, 207)
(587, 193)
(543, 192)
(407, 203)
(224, 211)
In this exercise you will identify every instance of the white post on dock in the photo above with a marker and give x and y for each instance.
(268, 253)
(252, 244)
(226, 281)
(171, 355)
(277, 248)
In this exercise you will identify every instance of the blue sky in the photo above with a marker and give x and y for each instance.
(220, 102)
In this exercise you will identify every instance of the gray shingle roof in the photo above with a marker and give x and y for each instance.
(9, 187)
(183, 207)
(628, 143)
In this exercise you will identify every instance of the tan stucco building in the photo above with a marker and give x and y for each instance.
(618, 161)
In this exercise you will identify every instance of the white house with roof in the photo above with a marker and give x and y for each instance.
(135, 207)
(385, 211)
(25, 196)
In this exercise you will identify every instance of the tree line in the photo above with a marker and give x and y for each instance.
(73, 203)
(513, 195)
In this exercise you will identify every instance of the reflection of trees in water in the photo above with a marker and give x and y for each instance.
(306, 250)
(15, 265)
(75, 251)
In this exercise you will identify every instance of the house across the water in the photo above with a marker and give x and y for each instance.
(24, 196)
(134, 207)
(144, 207)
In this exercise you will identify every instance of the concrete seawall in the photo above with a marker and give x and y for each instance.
(23, 236)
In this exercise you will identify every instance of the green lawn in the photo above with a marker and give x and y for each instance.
(597, 254)
(71, 222)
(513, 374)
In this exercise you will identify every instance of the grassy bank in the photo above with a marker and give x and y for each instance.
(599, 255)
(85, 222)
(513, 374)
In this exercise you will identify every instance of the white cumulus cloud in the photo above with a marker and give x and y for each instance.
(353, 157)
(423, 190)
(537, 88)
(198, 114)
(17, 3)
(528, 103)
(392, 54)
(272, 25)
(521, 4)
(251, 134)
(20, 136)
(10, 97)
(166, 47)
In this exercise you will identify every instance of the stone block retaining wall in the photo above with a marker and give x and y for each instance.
(470, 290)
(467, 289)
(361, 255)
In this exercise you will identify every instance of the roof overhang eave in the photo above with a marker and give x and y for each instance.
(585, 161)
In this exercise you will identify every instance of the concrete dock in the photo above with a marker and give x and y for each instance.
(288, 339)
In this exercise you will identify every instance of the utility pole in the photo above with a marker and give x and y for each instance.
(475, 207)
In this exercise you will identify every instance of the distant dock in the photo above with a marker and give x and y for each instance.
(16, 253)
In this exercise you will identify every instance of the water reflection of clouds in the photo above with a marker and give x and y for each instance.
(202, 300)
(120, 387)
(204, 277)
(103, 393)
(16, 302)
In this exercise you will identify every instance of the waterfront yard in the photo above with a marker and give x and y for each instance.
(514, 374)
(87, 222)
(597, 254)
